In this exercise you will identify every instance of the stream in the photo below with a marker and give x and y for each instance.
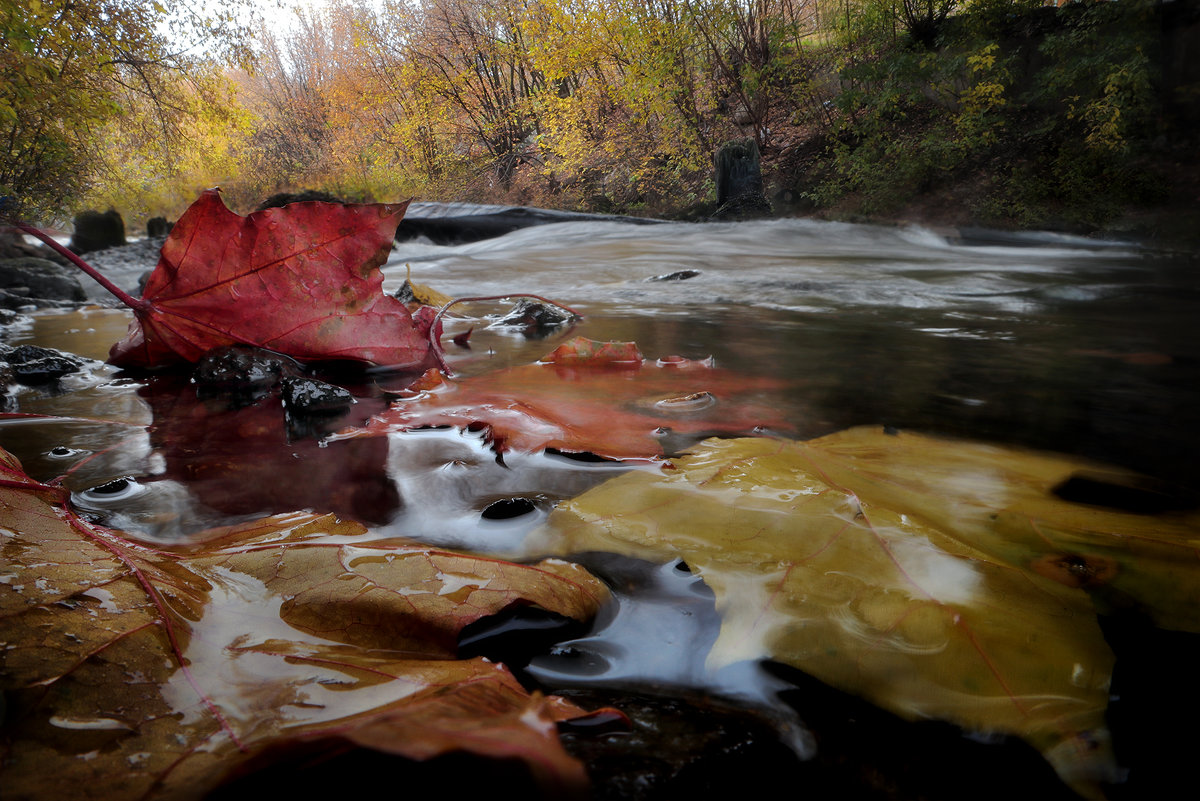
(1041, 341)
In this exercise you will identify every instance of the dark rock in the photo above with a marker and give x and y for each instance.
(739, 181)
(467, 228)
(7, 402)
(508, 508)
(405, 293)
(534, 319)
(307, 396)
(97, 231)
(157, 227)
(251, 372)
(284, 198)
(14, 246)
(678, 275)
(461, 229)
(28, 280)
(32, 365)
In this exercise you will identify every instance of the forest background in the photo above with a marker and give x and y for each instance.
(1004, 113)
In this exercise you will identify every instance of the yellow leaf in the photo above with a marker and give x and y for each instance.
(916, 572)
(422, 294)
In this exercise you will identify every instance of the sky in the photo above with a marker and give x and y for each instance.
(282, 13)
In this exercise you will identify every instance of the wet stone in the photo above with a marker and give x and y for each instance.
(32, 365)
(687, 748)
(535, 320)
(508, 508)
(118, 486)
(678, 275)
(307, 396)
(8, 403)
(39, 282)
(405, 293)
(240, 368)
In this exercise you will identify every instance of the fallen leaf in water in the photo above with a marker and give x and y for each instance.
(131, 672)
(906, 569)
(1014, 506)
(582, 351)
(420, 294)
(302, 280)
(587, 397)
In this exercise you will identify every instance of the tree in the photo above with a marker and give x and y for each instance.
(69, 68)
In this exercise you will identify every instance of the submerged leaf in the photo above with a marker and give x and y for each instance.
(582, 351)
(905, 569)
(302, 280)
(587, 397)
(131, 672)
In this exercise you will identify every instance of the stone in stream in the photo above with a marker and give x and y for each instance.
(158, 227)
(238, 367)
(13, 245)
(281, 199)
(238, 374)
(96, 230)
(312, 407)
(32, 281)
(32, 365)
(534, 319)
(8, 403)
(678, 275)
(307, 396)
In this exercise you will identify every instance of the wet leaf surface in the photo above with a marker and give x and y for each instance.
(133, 672)
(909, 570)
(302, 280)
(600, 398)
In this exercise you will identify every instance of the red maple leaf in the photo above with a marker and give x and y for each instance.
(302, 280)
(588, 397)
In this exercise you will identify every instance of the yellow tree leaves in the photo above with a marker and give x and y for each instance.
(907, 570)
(131, 672)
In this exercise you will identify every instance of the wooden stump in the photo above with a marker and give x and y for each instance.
(739, 181)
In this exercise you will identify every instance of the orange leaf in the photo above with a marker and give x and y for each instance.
(588, 397)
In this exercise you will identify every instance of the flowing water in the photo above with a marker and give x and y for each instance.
(1056, 343)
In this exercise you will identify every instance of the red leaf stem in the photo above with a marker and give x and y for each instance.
(129, 300)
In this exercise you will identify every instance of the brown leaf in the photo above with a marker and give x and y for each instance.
(132, 672)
